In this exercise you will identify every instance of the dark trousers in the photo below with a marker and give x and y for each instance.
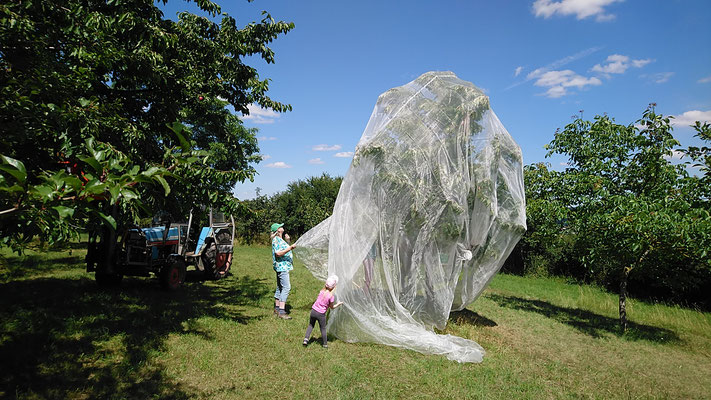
(321, 318)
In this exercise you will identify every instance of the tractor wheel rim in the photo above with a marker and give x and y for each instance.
(174, 276)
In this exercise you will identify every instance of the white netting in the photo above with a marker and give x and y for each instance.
(430, 208)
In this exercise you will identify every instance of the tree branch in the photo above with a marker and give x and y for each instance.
(10, 210)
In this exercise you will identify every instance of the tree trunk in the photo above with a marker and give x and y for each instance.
(623, 300)
(623, 290)
(111, 237)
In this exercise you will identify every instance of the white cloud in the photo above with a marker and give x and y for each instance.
(316, 161)
(660, 77)
(690, 117)
(705, 80)
(517, 71)
(675, 155)
(278, 164)
(641, 63)
(557, 64)
(618, 64)
(259, 115)
(556, 91)
(265, 138)
(325, 147)
(582, 9)
(557, 82)
(344, 154)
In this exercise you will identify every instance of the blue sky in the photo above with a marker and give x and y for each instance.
(540, 62)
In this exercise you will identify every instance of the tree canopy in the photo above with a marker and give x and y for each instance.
(107, 102)
(622, 210)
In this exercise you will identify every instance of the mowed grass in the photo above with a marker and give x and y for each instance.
(61, 336)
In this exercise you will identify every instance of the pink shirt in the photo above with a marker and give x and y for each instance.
(324, 300)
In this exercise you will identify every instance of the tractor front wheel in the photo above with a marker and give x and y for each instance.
(172, 275)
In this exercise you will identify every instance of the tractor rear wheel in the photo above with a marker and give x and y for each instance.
(209, 263)
(172, 275)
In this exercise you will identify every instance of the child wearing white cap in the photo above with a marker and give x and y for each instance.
(324, 301)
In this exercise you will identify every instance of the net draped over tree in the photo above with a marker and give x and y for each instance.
(430, 208)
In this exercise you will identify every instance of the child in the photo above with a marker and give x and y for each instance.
(318, 310)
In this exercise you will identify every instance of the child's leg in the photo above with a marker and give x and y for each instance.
(312, 322)
(322, 325)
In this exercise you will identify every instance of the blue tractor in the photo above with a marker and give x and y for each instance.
(165, 251)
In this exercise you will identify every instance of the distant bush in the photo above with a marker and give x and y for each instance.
(303, 205)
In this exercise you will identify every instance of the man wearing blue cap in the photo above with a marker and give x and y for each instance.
(283, 263)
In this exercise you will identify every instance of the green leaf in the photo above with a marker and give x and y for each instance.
(107, 220)
(178, 130)
(114, 190)
(139, 178)
(90, 145)
(64, 212)
(94, 186)
(151, 171)
(164, 183)
(73, 182)
(12, 189)
(93, 164)
(84, 102)
(15, 168)
(45, 192)
(129, 194)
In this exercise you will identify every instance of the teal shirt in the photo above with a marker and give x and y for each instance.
(283, 263)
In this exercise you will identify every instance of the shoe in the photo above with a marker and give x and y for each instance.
(306, 342)
(284, 316)
(325, 346)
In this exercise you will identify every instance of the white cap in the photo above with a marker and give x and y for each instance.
(331, 281)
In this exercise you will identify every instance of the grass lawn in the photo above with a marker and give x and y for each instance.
(61, 336)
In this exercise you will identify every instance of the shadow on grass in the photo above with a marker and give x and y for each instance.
(468, 317)
(21, 267)
(66, 338)
(587, 322)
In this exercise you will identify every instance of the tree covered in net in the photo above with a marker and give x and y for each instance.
(429, 210)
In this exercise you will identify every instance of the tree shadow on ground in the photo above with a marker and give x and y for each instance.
(28, 265)
(468, 317)
(64, 338)
(587, 322)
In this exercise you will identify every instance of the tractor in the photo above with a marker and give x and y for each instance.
(165, 250)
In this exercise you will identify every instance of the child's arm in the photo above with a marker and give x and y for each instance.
(336, 305)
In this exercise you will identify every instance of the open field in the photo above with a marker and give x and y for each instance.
(63, 337)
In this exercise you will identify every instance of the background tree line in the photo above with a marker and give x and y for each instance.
(300, 207)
